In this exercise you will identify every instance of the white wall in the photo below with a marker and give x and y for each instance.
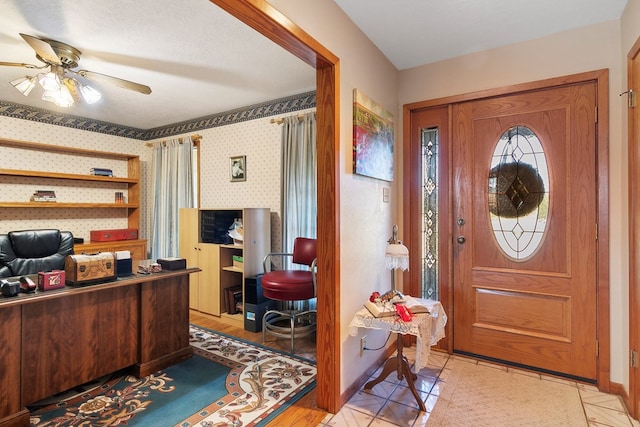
(365, 221)
(585, 49)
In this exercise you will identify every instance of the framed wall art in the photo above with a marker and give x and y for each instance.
(238, 168)
(372, 138)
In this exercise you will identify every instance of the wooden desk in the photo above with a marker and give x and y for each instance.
(55, 340)
(428, 328)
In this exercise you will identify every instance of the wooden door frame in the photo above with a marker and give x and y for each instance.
(601, 80)
(633, 117)
(264, 18)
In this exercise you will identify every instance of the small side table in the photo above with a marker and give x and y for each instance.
(428, 329)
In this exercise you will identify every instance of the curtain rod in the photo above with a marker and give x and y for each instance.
(279, 120)
(194, 138)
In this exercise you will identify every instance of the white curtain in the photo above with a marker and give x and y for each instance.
(172, 188)
(299, 197)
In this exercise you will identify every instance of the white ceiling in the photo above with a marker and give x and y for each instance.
(199, 61)
(416, 32)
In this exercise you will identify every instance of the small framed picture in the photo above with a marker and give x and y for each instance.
(238, 168)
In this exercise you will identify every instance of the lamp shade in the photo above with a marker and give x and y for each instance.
(24, 84)
(90, 94)
(49, 81)
(397, 257)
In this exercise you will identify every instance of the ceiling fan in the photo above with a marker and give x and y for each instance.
(60, 83)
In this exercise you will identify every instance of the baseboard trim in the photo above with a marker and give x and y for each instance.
(617, 388)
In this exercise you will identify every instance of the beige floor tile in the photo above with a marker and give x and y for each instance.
(463, 358)
(428, 371)
(559, 380)
(590, 387)
(383, 389)
(423, 383)
(523, 372)
(366, 402)
(492, 365)
(437, 359)
(403, 395)
(379, 422)
(597, 415)
(437, 387)
(398, 413)
(348, 417)
(421, 419)
(604, 400)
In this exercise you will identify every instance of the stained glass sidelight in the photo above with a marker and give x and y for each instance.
(429, 256)
(518, 192)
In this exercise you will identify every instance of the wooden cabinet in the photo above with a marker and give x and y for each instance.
(203, 295)
(138, 249)
(189, 249)
(199, 230)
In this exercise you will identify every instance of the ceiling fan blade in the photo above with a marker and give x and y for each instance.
(20, 64)
(42, 48)
(126, 84)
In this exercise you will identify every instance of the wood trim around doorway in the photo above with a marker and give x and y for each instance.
(601, 79)
(632, 400)
(264, 18)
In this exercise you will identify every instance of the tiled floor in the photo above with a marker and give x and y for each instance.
(390, 403)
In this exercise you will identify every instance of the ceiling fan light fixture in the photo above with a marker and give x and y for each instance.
(25, 84)
(58, 84)
(89, 94)
(61, 96)
(49, 81)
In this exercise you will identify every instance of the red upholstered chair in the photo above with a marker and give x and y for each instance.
(292, 288)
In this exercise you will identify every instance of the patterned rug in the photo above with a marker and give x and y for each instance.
(226, 382)
(483, 396)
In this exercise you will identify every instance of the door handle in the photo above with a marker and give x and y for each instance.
(461, 239)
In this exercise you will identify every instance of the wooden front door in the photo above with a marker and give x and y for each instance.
(525, 229)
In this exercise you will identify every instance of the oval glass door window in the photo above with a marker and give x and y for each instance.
(518, 193)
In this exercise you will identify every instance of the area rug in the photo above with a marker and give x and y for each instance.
(226, 382)
(478, 395)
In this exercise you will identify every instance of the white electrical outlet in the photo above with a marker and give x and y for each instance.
(363, 344)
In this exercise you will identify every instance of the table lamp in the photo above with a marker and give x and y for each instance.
(396, 256)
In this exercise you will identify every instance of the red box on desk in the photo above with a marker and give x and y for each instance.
(112, 235)
(48, 280)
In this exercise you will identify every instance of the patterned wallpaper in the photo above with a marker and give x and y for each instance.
(257, 139)
(78, 221)
(260, 141)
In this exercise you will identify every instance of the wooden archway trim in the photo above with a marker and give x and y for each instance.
(633, 116)
(264, 18)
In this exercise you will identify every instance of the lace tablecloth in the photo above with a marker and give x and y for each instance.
(428, 328)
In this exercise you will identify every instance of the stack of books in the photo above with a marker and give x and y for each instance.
(234, 299)
(44, 196)
(101, 172)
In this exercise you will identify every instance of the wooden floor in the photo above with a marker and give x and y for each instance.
(302, 413)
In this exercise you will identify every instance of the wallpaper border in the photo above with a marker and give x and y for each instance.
(279, 106)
